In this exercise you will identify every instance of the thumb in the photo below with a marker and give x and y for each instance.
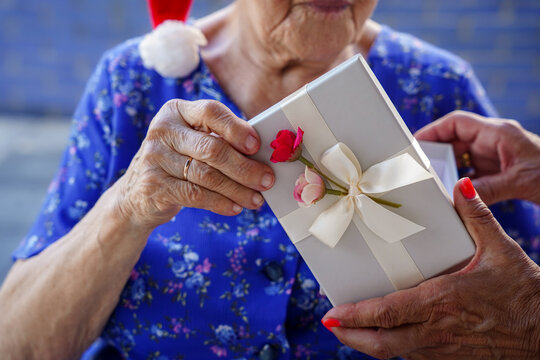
(493, 188)
(475, 214)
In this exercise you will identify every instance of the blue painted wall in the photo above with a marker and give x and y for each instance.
(48, 48)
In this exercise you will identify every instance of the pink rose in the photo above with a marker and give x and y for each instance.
(309, 188)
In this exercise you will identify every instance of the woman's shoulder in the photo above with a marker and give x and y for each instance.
(124, 58)
(118, 69)
(124, 70)
(127, 51)
(124, 61)
(403, 52)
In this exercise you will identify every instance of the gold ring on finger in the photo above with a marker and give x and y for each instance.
(465, 160)
(186, 167)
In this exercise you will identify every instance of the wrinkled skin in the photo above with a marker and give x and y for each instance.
(296, 29)
(220, 178)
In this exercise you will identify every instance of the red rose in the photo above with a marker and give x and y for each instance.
(287, 146)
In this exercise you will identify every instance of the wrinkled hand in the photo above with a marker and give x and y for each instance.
(220, 178)
(488, 310)
(506, 157)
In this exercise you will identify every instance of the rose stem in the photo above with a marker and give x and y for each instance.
(335, 192)
(384, 202)
(308, 163)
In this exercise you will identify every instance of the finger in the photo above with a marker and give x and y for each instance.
(219, 154)
(409, 306)
(386, 343)
(204, 175)
(456, 126)
(459, 149)
(476, 216)
(494, 188)
(213, 117)
(192, 195)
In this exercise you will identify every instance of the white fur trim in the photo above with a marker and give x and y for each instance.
(172, 49)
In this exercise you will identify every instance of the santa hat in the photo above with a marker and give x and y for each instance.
(161, 10)
(172, 48)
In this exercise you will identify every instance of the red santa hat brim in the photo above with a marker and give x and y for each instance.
(161, 10)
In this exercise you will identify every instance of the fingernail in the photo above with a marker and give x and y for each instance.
(236, 208)
(258, 199)
(467, 188)
(330, 323)
(267, 181)
(251, 142)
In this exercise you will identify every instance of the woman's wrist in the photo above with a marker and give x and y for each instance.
(117, 205)
(111, 225)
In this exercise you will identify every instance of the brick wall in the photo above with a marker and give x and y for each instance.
(50, 47)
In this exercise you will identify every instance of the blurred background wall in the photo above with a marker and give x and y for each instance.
(49, 48)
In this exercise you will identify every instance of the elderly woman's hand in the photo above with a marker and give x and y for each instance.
(220, 178)
(488, 310)
(505, 157)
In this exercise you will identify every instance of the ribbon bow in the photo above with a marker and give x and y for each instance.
(380, 178)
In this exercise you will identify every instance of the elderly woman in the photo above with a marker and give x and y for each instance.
(166, 257)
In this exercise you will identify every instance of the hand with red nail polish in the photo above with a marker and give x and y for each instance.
(488, 310)
(467, 188)
(505, 157)
(330, 323)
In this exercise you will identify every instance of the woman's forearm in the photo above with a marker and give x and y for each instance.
(56, 303)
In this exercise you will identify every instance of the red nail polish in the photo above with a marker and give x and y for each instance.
(330, 323)
(467, 188)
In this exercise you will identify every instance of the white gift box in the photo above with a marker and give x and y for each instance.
(348, 105)
(441, 157)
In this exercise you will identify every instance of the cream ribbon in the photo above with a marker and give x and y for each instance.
(377, 180)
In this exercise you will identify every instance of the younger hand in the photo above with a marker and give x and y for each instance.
(488, 310)
(506, 157)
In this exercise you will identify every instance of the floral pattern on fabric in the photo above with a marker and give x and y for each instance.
(208, 286)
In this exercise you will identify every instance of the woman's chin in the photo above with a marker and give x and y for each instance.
(320, 55)
(325, 11)
(317, 30)
(319, 49)
(321, 42)
(318, 24)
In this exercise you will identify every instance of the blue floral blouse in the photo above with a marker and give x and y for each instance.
(208, 286)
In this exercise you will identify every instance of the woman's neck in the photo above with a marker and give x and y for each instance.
(256, 75)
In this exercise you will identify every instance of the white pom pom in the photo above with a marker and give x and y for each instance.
(172, 49)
